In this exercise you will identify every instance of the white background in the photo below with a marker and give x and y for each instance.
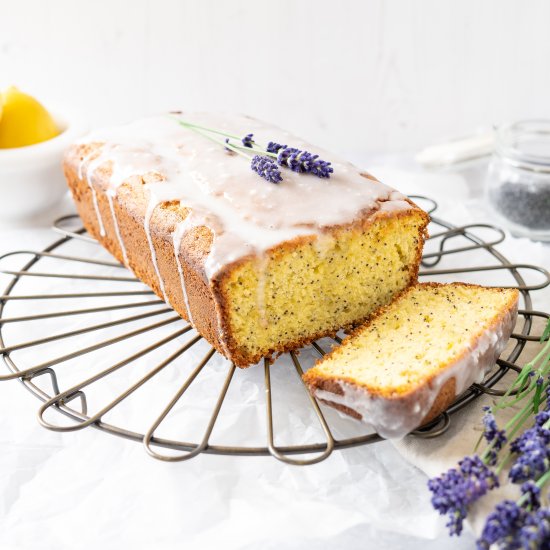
(353, 76)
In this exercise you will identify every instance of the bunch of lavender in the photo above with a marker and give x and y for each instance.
(267, 159)
(457, 489)
(521, 524)
(524, 523)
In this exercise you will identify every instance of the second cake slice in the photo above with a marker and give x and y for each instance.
(411, 359)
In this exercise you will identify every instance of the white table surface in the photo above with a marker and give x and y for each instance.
(89, 490)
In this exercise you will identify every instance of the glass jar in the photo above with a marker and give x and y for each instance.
(518, 186)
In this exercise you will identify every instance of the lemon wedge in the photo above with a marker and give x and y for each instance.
(23, 120)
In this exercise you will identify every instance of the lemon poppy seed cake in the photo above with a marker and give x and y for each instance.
(412, 358)
(258, 267)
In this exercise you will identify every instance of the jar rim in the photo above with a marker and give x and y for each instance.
(525, 143)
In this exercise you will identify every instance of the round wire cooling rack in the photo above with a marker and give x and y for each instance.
(73, 355)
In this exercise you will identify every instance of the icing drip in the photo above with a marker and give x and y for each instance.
(152, 204)
(177, 237)
(117, 228)
(395, 418)
(90, 166)
(246, 215)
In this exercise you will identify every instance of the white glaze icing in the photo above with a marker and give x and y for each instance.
(87, 163)
(152, 204)
(246, 214)
(395, 418)
(177, 237)
(117, 228)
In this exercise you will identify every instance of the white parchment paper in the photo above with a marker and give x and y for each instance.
(91, 490)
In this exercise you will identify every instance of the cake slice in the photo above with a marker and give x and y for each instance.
(258, 268)
(413, 357)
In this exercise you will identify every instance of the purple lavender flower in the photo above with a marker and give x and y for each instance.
(535, 533)
(284, 154)
(321, 169)
(267, 168)
(297, 161)
(533, 454)
(303, 162)
(514, 526)
(247, 140)
(495, 437)
(456, 489)
(542, 417)
(531, 494)
(273, 147)
(503, 526)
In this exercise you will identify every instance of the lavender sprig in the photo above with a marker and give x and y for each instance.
(303, 162)
(273, 147)
(495, 437)
(267, 168)
(530, 495)
(503, 526)
(248, 141)
(520, 524)
(535, 532)
(263, 166)
(297, 160)
(523, 384)
(455, 490)
(531, 451)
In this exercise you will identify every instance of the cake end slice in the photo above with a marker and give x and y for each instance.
(412, 358)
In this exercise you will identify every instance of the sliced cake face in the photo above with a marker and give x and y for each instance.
(323, 285)
(434, 339)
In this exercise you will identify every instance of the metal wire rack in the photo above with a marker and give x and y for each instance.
(93, 269)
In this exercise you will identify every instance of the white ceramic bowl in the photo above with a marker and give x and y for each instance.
(31, 177)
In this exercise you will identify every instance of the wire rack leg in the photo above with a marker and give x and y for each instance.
(63, 397)
(269, 417)
(148, 439)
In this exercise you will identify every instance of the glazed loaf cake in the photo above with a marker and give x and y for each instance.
(408, 363)
(257, 268)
